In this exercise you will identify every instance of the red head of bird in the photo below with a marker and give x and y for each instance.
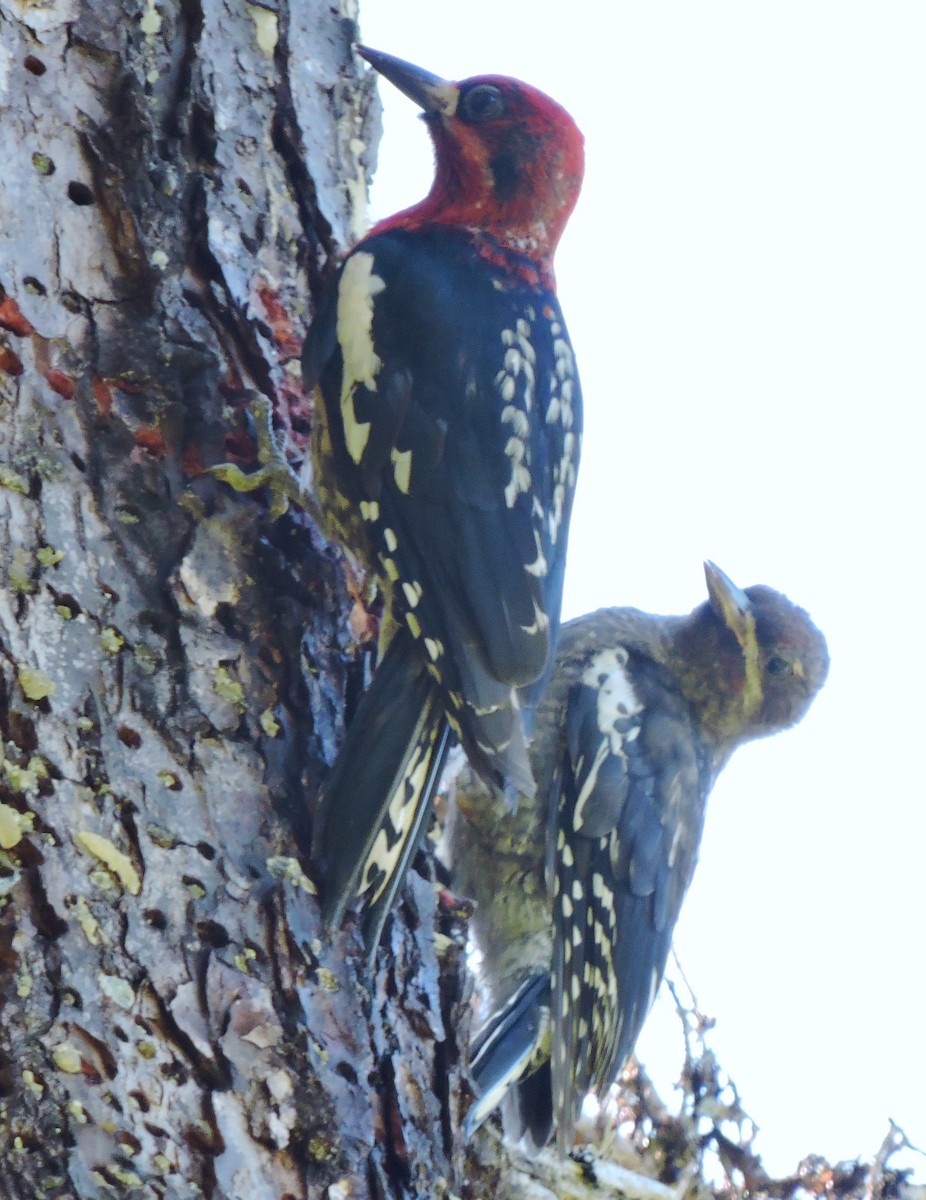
(508, 160)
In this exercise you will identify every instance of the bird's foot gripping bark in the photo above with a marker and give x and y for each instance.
(274, 472)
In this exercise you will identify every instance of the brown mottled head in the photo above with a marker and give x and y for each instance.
(509, 160)
(750, 662)
(793, 659)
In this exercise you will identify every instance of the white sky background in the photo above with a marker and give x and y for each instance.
(745, 285)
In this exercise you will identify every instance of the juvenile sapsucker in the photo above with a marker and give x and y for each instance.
(578, 891)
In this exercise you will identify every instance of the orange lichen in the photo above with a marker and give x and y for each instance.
(285, 337)
(363, 625)
(12, 319)
(60, 382)
(9, 362)
(102, 394)
(152, 440)
(192, 461)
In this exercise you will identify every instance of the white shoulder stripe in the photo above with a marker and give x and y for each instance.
(606, 674)
(358, 285)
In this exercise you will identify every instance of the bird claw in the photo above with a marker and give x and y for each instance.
(274, 473)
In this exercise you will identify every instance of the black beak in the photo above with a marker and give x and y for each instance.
(435, 95)
(730, 603)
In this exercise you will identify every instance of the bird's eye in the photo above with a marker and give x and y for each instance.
(777, 665)
(482, 103)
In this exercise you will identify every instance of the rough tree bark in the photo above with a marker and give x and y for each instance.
(177, 176)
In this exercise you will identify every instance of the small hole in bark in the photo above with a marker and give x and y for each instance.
(346, 1071)
(34, 65)
(63, 600)
(128, 1142)
(155, 918)
(213, 934)
(202, 132)
(128, 737)
(120, 1033)
(79, 193)
(257, 953)
(105, 1059)
(22, 732)
(78, 462)
(207, 851)
(73, 302)
(154, 620)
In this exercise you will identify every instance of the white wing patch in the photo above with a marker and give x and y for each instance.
(539, 566)
(606, 674)
(402, 469)
(541, 621)
(516, 383)
(357, 287)
(413, 593)
(560, 409)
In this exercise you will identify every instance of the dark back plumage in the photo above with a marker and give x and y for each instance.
(447, 432)
(640, 716)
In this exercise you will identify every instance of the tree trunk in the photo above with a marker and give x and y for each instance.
(177, 178)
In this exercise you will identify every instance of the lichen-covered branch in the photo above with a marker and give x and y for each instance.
(703, 1147)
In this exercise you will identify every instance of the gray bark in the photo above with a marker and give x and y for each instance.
(177, 178)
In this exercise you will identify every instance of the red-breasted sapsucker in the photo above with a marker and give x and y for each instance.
(448, 421)
(578, 891)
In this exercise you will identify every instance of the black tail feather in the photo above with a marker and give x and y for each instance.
(376, 799)
(510, 1047)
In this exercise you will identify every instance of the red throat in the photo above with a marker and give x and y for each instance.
(511, 183)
